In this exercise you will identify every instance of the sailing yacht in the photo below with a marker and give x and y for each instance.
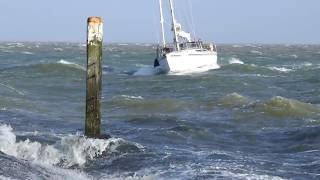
(185, 54)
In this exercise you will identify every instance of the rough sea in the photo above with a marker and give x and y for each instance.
(257, 117)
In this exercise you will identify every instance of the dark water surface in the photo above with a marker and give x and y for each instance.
(257, 117)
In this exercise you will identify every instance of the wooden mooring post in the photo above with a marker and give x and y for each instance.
(94, 77)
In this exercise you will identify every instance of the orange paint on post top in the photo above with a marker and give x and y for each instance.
(95, 20)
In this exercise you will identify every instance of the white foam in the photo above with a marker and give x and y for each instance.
(235, 61)
(256, 52)
(72, 64)
(70, 150)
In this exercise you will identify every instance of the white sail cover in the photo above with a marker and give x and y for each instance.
(182, 34)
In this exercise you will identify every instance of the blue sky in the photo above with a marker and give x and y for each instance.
(222, 21)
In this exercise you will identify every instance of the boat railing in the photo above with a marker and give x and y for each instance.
(188, 45)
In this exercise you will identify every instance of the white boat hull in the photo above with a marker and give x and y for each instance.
(188, 61)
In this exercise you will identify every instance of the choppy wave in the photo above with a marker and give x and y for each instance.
(11, 88)
(238, 65)
(147, 71)
(47, 67)
(283, 107)
(233, 100)
(256, 52)
(277, 106)
(247, 68)
(71, 150)
(140, 104)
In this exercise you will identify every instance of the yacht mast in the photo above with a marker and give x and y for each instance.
(162, 21)
(175, 39)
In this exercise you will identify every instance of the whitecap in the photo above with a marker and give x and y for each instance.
(16, 44)
(256, 52)
(27, 52)
(307, 64)
(72, 64)
(132, 97)
(235, 61)
(237, 46)
(294, 56)
(58, 49)
(281, 69)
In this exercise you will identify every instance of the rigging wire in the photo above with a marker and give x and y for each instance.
(155, 26)
(192, 18)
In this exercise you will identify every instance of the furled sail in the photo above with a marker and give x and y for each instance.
(182, 34)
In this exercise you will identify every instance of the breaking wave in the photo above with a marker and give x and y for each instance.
(69, 151)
